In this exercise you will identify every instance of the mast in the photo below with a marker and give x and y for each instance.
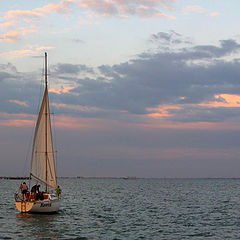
(46, 118)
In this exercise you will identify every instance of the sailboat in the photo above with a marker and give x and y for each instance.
(42, 165)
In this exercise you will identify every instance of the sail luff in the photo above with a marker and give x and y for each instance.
(43, 164)
(53, 168)
(46, 117)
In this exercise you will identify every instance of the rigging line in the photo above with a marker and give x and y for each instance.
(52, 117)
(38, 102)
(41, 89)
(28, 152)
(24, 171)
(40, 180)
(54, 140)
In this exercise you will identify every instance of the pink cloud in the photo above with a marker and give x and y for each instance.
(62, 7)
(224, 100)
(161, 112)
(123, 9)
(14, 14)
(149, 12)
(214, 14)
(200, 10)
(10, 37)
(196, 9)
(38, 12)
(100, 8)
(80, 123)
(7, 24)
(103, 8)
(30, 51)
(19, 102)
(13, 36)
(75, 107)
(30, 16)
(161, 15)
(24, 31)
(162, 124)
(17, 123)
(61, 90)
(17, 120)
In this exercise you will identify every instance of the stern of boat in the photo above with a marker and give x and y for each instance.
(24, 206)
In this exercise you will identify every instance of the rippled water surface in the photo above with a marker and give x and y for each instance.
(130, 209)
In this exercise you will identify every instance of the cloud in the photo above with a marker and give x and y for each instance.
(16, 123)
(14, 36)
(154, 80)
(15, 14)
(91, 9)
(29, 51)
(169, 38)
(160, 111)
(101, 8)
(224, 100)
(70, 68)
(200, 10)
(226, 47)
(62, 7)
(214, 14)
(19, 102)
(118, 8)
(10, 36)
(16, 120)
(7, 24)
(60, 91)
(185, 85)
(15, 17)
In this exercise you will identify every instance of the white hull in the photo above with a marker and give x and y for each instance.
(52, 204)
(46, 206)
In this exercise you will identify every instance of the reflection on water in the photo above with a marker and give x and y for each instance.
(135, 209)
(40, 225)
(38, 217)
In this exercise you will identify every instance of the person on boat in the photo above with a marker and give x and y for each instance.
(35, 188)
(58, 191)
(24, 190)
(33, 194)
(39, 196)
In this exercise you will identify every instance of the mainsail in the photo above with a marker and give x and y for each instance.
(43, 164)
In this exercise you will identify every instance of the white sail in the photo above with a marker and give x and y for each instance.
(43, 165)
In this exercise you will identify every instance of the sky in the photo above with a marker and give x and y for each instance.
(145, 88)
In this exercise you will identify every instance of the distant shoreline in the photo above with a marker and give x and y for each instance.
(130, 178)
(15, 178)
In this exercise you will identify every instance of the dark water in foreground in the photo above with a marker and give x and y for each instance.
(130, 209)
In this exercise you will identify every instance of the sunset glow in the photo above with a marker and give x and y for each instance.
(141, 88)
(224, 100)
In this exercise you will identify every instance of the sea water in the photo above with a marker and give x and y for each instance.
(129, 209)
